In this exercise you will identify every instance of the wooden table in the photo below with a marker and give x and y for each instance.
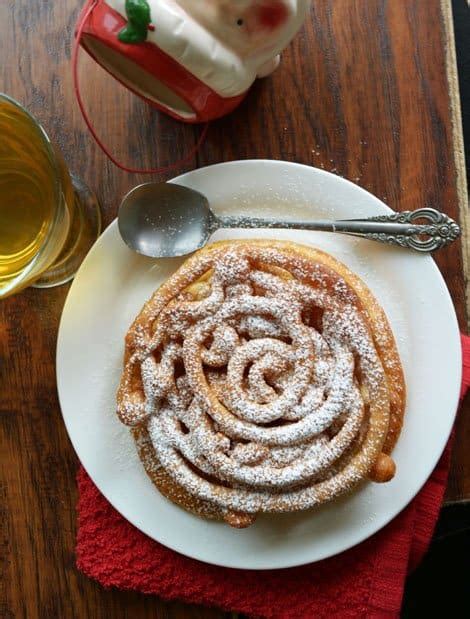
(367, 90)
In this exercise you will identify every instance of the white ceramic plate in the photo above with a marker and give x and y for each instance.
(109, 291)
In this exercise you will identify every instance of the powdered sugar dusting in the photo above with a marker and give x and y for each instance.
(258, 380)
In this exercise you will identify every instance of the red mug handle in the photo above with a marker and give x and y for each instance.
(76, 85)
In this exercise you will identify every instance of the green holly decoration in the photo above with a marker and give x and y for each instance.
(139, 19)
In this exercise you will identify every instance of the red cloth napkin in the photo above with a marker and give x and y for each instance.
(367, 580)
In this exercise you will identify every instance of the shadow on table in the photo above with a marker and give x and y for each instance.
(440, 587)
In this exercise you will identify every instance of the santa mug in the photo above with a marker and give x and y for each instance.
(192, 59)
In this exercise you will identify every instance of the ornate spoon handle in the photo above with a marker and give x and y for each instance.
(438, 230)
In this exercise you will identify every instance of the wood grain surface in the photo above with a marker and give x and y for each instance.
(362, 92)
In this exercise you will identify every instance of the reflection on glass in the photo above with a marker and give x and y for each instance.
(48, 219)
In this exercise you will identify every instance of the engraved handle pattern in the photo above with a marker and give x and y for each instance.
(441, 230)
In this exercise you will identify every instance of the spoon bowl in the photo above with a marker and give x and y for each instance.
(163, 220)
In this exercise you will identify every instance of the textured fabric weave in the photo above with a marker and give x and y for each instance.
(366, 581)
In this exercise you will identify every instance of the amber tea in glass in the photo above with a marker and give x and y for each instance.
(48, 219)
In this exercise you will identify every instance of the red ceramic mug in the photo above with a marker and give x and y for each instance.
(195, 59)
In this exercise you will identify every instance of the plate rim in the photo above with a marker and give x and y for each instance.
(286, 563)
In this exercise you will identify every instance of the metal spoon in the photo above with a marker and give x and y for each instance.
(163, 220)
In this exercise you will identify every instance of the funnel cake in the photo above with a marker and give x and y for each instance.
(262, 377)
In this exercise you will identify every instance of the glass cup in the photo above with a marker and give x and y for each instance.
(49, 219)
